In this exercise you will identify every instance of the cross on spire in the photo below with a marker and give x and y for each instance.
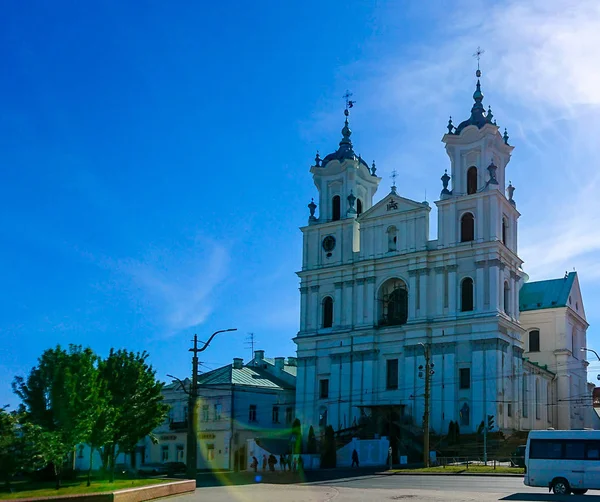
(477, 55)
(393, 176)
(349, 103)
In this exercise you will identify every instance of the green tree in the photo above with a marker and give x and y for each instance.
(133, 406)
(328, 457)
(60, 396)
(311, 445)
(12, 446)
(297, 434)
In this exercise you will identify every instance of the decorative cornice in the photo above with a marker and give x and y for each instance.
(494, 263)
(338, 285)
(440, 269)
(513, 274)
(349, 283)
(481, 263)
(451, 268)
(360, 282)
(315, 288)
(371, 280)
(412, 273)
(303, 289)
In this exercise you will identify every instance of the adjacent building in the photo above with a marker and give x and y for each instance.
(237, 402)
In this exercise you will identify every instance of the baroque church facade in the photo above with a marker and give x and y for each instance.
(377, 295)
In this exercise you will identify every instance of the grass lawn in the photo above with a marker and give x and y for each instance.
(459, 469)
(27, 490)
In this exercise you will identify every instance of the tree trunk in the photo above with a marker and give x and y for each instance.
(89, 475)
(111, 467)
(57, 473)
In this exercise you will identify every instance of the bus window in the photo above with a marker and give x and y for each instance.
(545, 448)
(593, 450)
(574, 450)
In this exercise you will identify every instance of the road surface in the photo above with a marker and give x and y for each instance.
(383, 487)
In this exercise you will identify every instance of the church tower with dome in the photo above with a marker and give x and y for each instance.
(380, 300)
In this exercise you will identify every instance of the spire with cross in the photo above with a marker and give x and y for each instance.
(477, 55)
(393, 176)
(349, 103)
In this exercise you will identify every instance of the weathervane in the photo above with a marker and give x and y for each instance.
(349, 104)
(477, 55)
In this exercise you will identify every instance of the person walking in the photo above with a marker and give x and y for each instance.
(282, 462)
(264, 463)
(354, 458)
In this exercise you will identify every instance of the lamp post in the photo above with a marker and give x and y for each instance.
(428, 370)
(192, 434)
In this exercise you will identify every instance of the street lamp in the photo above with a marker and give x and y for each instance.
(192, 435)
(584, 349)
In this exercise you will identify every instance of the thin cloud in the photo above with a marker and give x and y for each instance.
(179, 285)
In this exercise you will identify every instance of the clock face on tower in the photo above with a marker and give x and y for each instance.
(329, 243)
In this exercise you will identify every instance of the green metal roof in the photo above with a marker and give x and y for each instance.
(546, 294)
(252, 377)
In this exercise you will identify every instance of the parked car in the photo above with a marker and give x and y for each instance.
(153, 469)
(176, 468)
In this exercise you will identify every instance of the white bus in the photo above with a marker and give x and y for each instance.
(564, 461)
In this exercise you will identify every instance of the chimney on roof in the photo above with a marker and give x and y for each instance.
(279, 363)
(238, 363)
(292, 361)
(259, 355)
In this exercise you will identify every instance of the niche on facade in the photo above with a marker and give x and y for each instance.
(464, 414)
(393, 303)
(392, 238)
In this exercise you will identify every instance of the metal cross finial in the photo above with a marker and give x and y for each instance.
(394, 174)
(349, 103)
(477, 55)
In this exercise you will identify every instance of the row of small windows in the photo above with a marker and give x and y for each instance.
(336, 208)
(393, 302)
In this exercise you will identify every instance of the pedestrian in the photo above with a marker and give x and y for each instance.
(300, 464)
(282, 462)
(264, 462)
(254, 464)
(294, 464)
(288, 459)
(272, 462)
(354, 458)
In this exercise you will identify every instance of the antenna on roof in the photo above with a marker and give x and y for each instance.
(250, 340)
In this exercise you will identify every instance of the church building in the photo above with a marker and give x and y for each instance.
(381, 303)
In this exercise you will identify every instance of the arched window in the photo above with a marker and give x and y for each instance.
(393, 303)
(327, 312)
(335, 208)
(534, 340)
(392, 235)
(466, 295)
(359, 208)
(506, 298)
(471, 180)
(504, 231)
(467, 227)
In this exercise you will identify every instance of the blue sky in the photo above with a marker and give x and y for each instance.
(155, 159)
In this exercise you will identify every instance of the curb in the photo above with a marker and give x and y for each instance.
(474, 474)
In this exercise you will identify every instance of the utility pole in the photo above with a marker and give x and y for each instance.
(428, 370)
(192, 434)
